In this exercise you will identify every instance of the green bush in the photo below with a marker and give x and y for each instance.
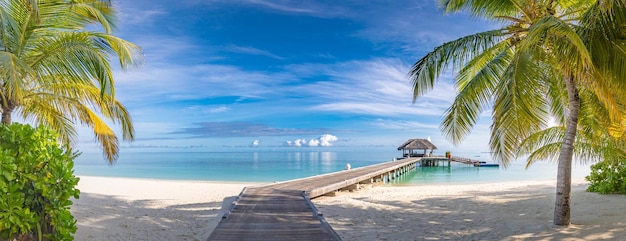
(36, 183)
(608, 177)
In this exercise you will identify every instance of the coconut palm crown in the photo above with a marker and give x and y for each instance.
(531, 72)
(54, 72)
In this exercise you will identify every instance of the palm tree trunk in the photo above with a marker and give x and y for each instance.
(564, 176)
(6, 115)
(7, 110)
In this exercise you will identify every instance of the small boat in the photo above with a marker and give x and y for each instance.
(485, 164)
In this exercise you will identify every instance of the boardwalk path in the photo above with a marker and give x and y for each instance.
(283, 211)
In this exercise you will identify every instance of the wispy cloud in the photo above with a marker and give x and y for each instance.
(376, 87)
(130, 14)
(160, 50)
(242, 129)
(376, 109)
(285, 6)
(403, 125)
(140, 16)
(252, 51)
(159, 83)
(207, 109)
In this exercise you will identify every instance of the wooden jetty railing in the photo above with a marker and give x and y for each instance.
(462, 160)
(435, 161)
(283, 211)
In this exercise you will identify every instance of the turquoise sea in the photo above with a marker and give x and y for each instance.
(280, 164)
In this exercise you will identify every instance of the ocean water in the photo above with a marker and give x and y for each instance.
(270, 165)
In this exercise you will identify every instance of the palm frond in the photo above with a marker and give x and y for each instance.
(476, 85)
(542, 145)
(425, 72)
(104, 135)
(43, 111)
(520, 108)
(483, 8)
(129, 54)
(548, 152)
(576, 58)
(13, 71)
(95, 11)
(603, 31)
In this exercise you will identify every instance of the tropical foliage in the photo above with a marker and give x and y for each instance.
(608, 177)
(548, 63)
(57, 73)
(36, 184)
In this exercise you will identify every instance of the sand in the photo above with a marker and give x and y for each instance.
(138, 209)
(142, 209)
(497, 211)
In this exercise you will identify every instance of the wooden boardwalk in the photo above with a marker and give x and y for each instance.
(462, 160)
(283, 211)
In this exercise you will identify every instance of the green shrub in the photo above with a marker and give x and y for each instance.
(608, 177)
(36, 183)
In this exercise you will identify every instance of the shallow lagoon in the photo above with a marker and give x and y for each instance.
(270, 165)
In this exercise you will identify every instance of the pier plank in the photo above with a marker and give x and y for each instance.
(283, 211)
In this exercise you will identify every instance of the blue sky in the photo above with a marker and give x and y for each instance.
(237, 72)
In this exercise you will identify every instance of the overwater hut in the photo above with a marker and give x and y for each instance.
(414, 148)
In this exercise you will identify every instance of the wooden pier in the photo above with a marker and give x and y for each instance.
(462, 160)
(442, 161)
(283, 211)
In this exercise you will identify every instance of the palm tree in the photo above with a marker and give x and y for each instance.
(530, 71)
(55, 72)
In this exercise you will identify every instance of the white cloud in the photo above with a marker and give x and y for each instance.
(327, 140)
(299, 142)
(324, 140)
(314, 142)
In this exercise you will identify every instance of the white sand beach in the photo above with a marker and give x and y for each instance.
(493, 211)
(143, 209)
(138, 209)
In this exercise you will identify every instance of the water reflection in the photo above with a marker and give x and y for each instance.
(255, 160)
(328, 158)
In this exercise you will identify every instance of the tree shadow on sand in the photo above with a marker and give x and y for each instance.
(517, 214)
(104, 217)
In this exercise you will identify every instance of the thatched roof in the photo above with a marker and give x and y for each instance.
(417, 144)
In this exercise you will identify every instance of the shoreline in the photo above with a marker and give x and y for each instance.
(172, 180)
(151, 209)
